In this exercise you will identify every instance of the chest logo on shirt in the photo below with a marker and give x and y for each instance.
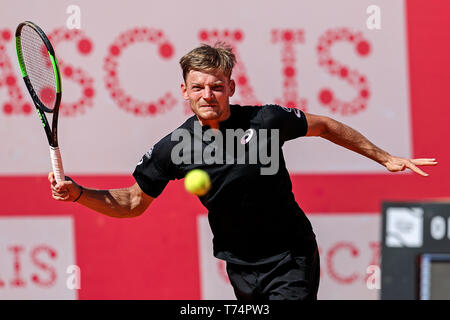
(247, 136)
(234, 146)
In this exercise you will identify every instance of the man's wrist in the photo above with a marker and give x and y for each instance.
(79, 196)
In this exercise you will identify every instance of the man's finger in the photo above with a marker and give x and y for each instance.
(424, 162)
(60, 194)
(60, 190)
(416, 169)
(59, 198)
(51, 178)
(62, 184)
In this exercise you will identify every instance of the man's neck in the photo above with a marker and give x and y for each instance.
(214, 124)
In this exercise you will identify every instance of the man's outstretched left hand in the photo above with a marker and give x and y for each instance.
(395, 164)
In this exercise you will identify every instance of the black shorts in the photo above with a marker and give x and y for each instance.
(292, 278)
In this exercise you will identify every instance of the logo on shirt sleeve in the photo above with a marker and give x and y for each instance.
(297, 113)
(295, 110)
(146, 156)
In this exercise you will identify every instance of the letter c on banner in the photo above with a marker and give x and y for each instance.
(112, 80)
(330, 262)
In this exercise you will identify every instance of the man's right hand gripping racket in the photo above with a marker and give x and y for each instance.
(41, 74)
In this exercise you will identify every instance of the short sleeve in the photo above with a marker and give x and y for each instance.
(153, 172)
(290, 121)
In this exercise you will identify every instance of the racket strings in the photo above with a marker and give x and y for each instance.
(38, 66)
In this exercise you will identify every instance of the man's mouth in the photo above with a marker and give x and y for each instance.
(208, 106)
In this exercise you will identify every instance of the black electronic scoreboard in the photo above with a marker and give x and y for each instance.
(415, 251)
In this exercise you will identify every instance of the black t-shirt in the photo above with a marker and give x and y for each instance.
(251, 208)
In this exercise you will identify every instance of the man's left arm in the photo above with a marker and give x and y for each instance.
(351, 139)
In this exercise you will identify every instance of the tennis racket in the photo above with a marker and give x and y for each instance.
(40, 72)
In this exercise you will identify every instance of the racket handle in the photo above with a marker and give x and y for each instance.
(55, 156)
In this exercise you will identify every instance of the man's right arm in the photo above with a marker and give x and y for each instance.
(118, 203)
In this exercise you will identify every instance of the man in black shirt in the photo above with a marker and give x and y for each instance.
(258, 228)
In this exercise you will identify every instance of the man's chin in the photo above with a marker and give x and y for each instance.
(209, 115)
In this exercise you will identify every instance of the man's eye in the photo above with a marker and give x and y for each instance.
(218, 88)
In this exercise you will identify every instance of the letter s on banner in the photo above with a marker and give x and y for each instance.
(52, 254)
(358, 81)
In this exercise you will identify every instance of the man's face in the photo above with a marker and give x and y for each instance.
(208, 95)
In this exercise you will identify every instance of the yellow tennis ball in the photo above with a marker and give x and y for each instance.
(197, 182)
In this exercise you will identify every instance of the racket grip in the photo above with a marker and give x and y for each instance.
(55, 156)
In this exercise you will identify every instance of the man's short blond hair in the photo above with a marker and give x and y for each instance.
(209, 59)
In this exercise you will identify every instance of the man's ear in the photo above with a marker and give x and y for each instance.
(184, 91)
(232, 87)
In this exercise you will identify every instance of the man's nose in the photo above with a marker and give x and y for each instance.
(207, 93)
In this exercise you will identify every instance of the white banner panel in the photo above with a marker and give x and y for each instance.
(37, 258)
(349, 247)
(121, 78)
(349, 253)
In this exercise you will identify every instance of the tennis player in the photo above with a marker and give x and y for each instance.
(259, 229)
